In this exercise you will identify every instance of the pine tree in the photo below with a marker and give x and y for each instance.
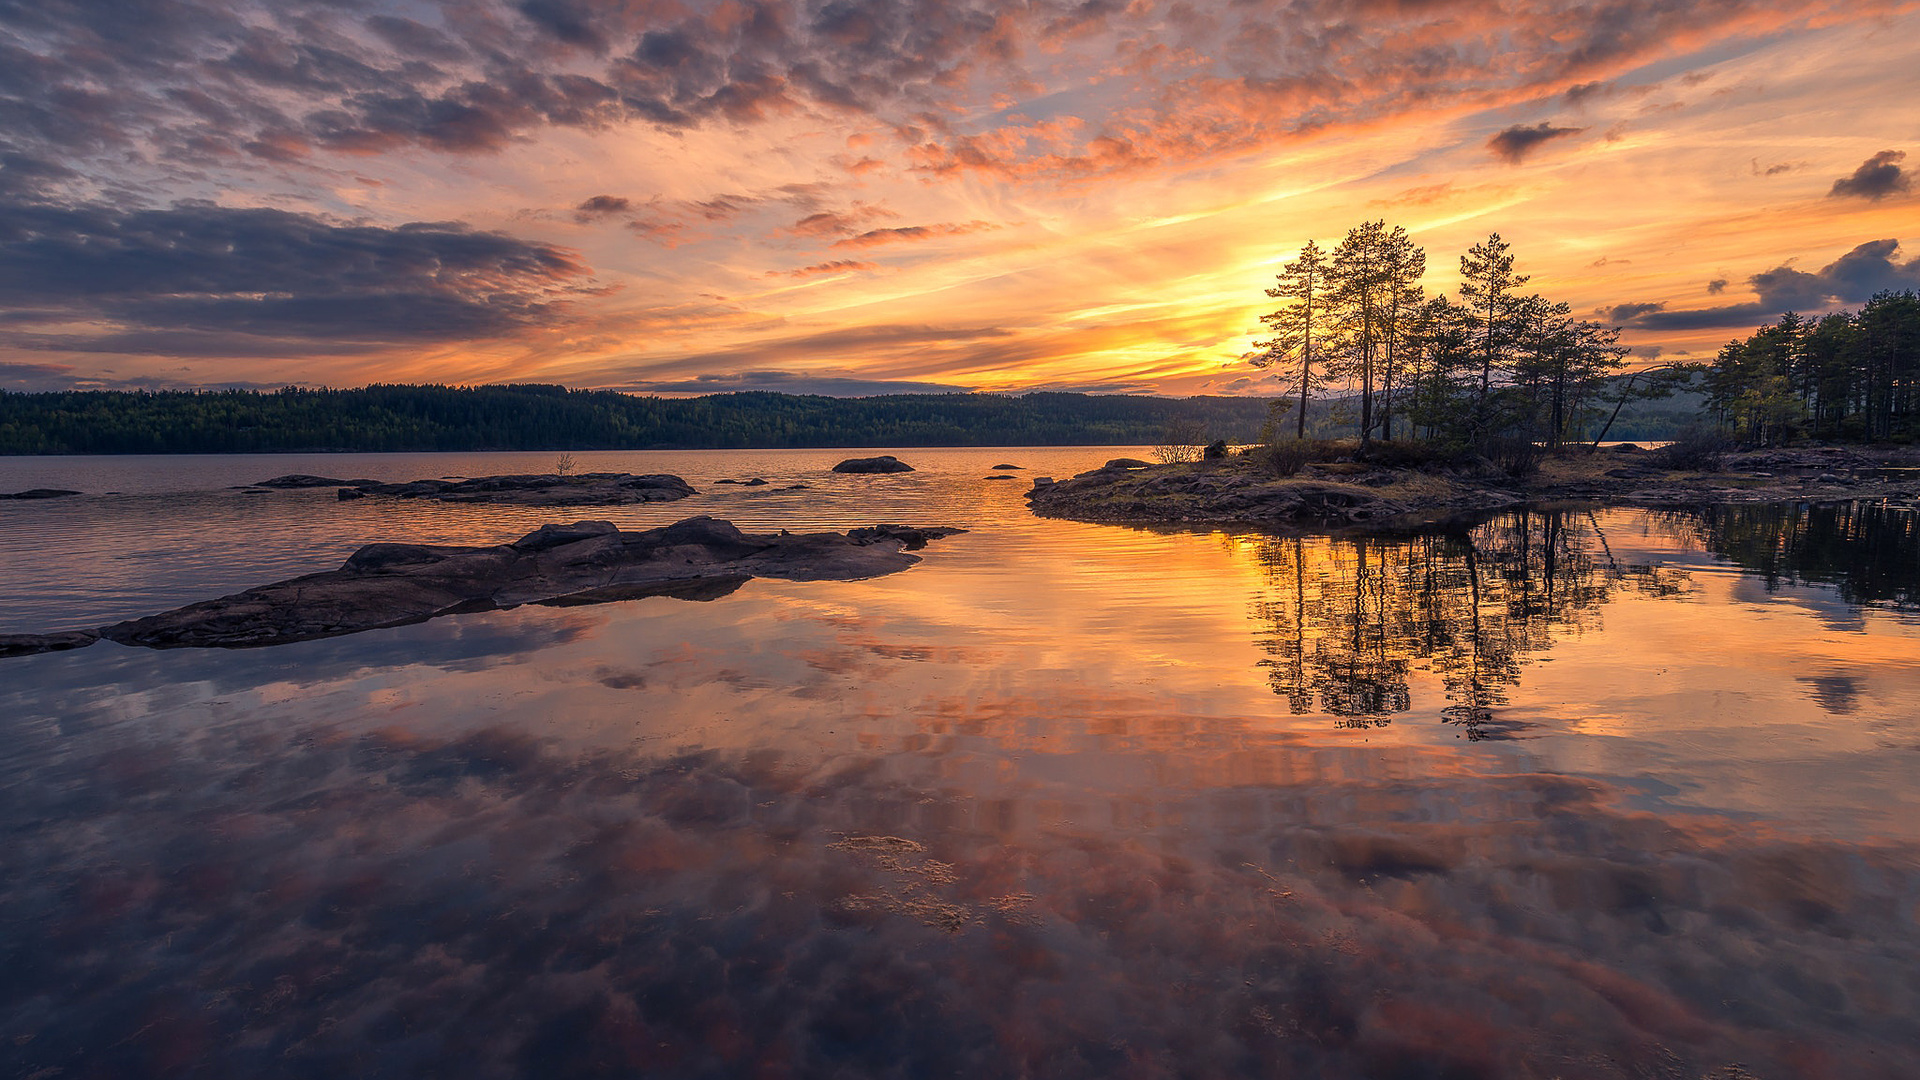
(1487, 287)
(1299, 326)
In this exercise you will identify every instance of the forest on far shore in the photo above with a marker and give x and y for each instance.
(545, 417)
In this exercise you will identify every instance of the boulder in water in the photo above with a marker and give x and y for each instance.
(885, 463)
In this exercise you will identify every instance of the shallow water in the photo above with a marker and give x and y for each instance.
(1579, 794)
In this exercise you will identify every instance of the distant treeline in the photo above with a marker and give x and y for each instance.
(543, 417)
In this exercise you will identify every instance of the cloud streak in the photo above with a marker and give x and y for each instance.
(1853, 278)
(215, 276)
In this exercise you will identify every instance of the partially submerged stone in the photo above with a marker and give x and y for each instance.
(29, 644)
(533, 489)
(294, 481)
(40, 493)
(885, 463)
(584, 562)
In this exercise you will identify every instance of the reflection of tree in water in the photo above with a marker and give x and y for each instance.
(1869, 550)
(1348, 620)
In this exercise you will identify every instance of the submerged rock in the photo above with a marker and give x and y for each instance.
(1007, 466)
(585, 562)
(885, 463)
(40, 493)
(307, 480)
(29, 644)
(913, 537)
(536, 489)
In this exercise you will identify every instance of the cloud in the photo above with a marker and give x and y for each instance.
(602, 206)
(1628, 312)
(1855, 277)
(876, 237)
(279, 277)
(829, 223)
(28, 378)
(1877, 177)
(224, 83)
(837, 266)
(1515, 143)
(1717, 286)
(825, 384)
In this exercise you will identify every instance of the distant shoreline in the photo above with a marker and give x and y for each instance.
(553, 419)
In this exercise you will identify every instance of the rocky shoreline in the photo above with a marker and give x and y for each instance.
(1356, 495)
(586, 562)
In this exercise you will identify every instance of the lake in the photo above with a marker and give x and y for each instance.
(1582, 793)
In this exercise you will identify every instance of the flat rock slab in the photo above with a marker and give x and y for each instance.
(40, 493)
(533, 489)
(885, 463)
(293, 481)
(585, 562)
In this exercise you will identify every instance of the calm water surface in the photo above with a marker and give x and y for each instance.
(1610, 794)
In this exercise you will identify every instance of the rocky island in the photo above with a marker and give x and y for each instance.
(1245, 489)
(585, 562)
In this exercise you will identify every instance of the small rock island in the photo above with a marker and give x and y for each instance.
(885, 463)
(586, 562)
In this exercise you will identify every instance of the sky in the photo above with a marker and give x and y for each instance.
(871, 196)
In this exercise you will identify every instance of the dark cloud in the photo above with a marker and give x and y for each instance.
(791, 382)
(1629, 312)
(166, 84)
(1877, 177)
(200, 269)
(26, 378)
(1855, 277)
(1584, 92)
(1515, 143)
(602, 206)
(1717, 286)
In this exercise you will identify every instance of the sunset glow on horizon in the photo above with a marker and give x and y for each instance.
(862, 196)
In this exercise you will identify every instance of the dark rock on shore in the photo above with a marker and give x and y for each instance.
(40, 493)
(885, 463)
(585, 562)
(1127, 463)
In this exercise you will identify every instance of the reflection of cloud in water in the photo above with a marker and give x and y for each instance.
(449, 645)
(274, 901)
